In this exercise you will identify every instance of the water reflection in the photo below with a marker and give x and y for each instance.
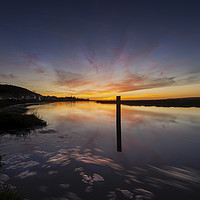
(118, 124)
(75, 156)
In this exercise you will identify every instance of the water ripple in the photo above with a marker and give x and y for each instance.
(26, 174)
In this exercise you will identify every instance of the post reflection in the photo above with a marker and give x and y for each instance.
(118, 124)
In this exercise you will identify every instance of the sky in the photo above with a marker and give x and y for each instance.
(98, 49)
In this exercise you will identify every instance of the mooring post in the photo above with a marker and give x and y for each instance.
(118, 98)
(118, 123)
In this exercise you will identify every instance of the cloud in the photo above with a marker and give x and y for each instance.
(34, 62)
(127, 82)
(8, 76)
(92, 61)
(118, 50)
(39, 70)
(31, 58)
(189, 79)
(107, 83)
(71, 80)
(133, 82)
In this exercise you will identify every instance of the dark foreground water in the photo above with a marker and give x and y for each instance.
(75, 156)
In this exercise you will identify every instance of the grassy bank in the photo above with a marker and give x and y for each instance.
(8, 194)
(10, 102)
(12, 120)
(6, 103)
(15, 118)
(184, 102)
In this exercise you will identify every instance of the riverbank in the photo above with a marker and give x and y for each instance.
(13, 115)
(8, 194)
(14, 119)
(10, 102)
(185, 102)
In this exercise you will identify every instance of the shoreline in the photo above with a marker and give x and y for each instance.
(25, 104)
(15, 120)
(184, 103)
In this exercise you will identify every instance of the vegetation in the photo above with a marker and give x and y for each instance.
(180, 102)
(10, 121)
(15, 118)
(5, 103)
(8, 194)
(18, 121)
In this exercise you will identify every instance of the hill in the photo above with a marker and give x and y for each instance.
(11, 91)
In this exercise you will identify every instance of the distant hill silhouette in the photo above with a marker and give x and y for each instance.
(15, 91)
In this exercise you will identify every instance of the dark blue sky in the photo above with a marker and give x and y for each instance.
(141, 49)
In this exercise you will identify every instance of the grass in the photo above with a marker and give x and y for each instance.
(15, 120)
(8, 194)
(184, 102)
(5, 103)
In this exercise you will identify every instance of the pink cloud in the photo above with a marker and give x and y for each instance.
(33, 61)
(8, 76)
(71, 80)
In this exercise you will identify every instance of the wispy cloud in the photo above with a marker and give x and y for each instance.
(39, 70)
(71, 80)
(91, 59)
(127, 82)
(111, 83)
(8, 76)
(34, 62)
(132, 82)
(118, 50)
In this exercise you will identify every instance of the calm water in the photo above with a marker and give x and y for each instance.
(75, 156)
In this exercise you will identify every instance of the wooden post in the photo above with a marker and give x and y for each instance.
(118, 98)
(118, 124)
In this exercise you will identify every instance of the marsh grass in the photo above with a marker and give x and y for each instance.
(13, 120)
(8, 194)
(5, 103)
(16, 118)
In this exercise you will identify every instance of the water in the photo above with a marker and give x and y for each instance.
(77, 156)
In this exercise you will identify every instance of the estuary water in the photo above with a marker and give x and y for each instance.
(81, 154)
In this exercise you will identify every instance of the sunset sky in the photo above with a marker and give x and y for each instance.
(101, 48)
